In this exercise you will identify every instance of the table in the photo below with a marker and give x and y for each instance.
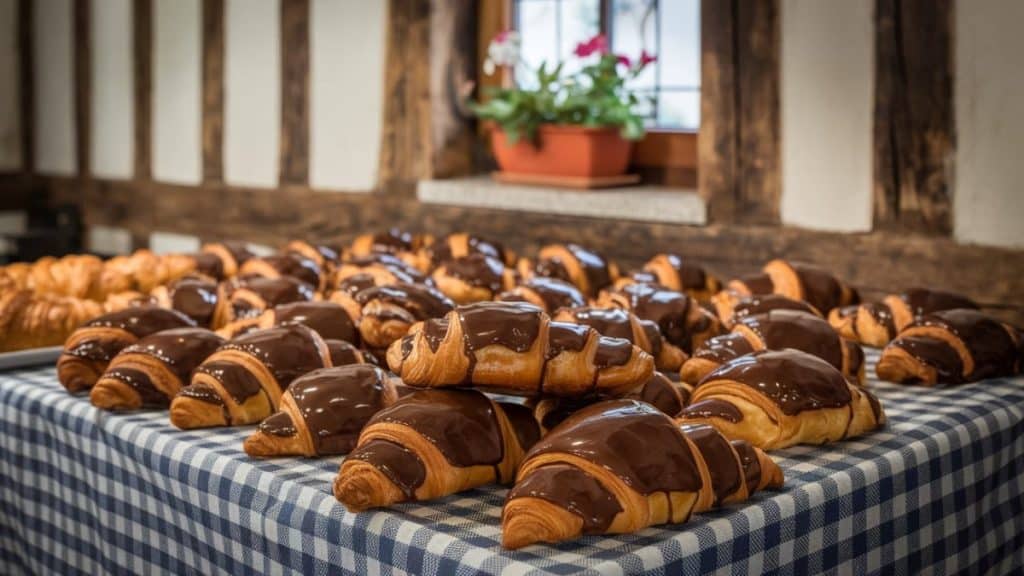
(941, 489)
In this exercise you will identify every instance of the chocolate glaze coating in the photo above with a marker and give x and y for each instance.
(337, 402)
(401, 465)
(925, 301)
(723, 464)
(690, 277)
(949, 368)
(574, 490)
(477, 270)
(714, 408)
(762, 303)
(663, 394)
(179, 349)
(724, 348)
(287, 351)
(821, 289)
(195, 298)
(553, 292)
(421, 301)
(990, 344)
(327, 318)
(780, 329)
(140, 321)
(296, 266)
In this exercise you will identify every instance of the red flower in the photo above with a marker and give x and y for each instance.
(500, 37)
(624, 60)
(646, 58)
(598, 44)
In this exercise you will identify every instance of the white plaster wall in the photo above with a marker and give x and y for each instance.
(827, 108)
(252, 92)
(177, 91)
(346, 92)
(54, 87)
(988, 203)
(112, 132)
(10, 88)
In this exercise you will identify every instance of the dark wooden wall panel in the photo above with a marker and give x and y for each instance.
(295, 91)
(914, 129)
(453, 66)
(213, 90)
(738, 147)
(82, 43)
(142, 32)
(27, 85)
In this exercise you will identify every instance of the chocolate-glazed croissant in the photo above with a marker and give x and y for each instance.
(619, 466)
(90, 348)
(777, 330)
(153, 370)
(325, 256)
(249, 297)
(619, 323)
(242, 382)
(433, 443)
(374, 270)
(289, 264)
(807, 282)
(194, 296)
(951, 347)
(387, 312)
(231, 254)
(587, 270)
(515, 348)
(876, 323)
(549, 294)
(660, 391)
(683, 323)
(330, 319)
(391, 241)
(459, 245)
(731, 310)
(674, 273)
(778, 398)
(322, 412)
(472, 278)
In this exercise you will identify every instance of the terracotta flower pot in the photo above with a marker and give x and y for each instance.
(565, 150)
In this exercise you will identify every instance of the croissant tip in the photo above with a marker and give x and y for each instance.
(110, 398)
(258, 446)
(355, 492)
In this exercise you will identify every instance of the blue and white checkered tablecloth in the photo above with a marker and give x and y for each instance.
(941, 490)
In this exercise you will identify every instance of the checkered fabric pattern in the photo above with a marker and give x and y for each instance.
(940, 490)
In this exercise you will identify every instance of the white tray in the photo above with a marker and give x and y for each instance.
(29, 358)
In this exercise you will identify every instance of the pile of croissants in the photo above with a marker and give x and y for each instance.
(648, 397)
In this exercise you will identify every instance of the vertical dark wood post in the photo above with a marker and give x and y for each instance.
(81, 46)
(738, 149)
(27, 80)
(453, 39)
(213, 90)
(295, 92)
(142, 16)
(914, 115)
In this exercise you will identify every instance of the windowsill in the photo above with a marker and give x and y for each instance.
(637, 203)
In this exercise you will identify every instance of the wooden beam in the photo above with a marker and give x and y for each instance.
(914, 128)
(26, 70)
(142, 32)
(453, 40)
(213, 90)
(295, 92)
(738, 149)
(406, 142)
(82, 44)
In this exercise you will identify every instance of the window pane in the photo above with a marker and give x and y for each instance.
(537, 23)
(680, 43)
(679, 109)
(580, 20)
(633, 30)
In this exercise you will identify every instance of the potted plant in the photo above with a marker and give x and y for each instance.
(578, 125)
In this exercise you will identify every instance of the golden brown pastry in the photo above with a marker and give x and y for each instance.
(952, 347)
(660, 391)
(153, 370)
(329, 319)
(778, 398)
(459, 245)
(776, 330)
(290, 264)
(391, 241)
(620, 323)
(90, 348)
(246, 297)
(730, 310)
(587, 270)
(472, 278)
(387, 312)
(194, 296)
(433, 443)
(514, 347)
(590, 476)
(876, 323)
(230, 254)
(29, 320)
(674, 273)
(817, 287)
(682, 321)
(377, 269)
(322, 412)
(242, 382)
(325, 256)
(548, 293)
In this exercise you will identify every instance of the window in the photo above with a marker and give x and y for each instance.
(670, 29)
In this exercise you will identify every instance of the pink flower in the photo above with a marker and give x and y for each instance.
(646, 58)
(598, 44)
(500, 37)
(624, 60)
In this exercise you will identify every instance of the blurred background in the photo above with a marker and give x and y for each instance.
(879, 138)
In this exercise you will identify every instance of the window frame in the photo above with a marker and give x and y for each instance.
(670, 153)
